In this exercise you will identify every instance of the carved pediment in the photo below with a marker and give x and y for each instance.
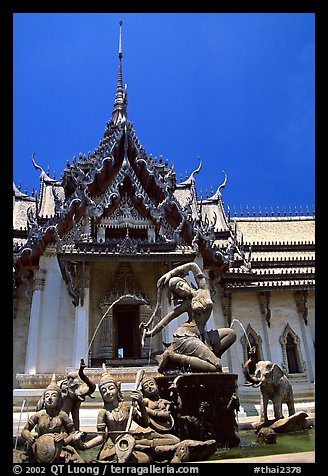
(125, 214)
(125, 289)
(126, 219)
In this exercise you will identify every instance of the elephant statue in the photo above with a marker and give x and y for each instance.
(75, 388)
(274, 386)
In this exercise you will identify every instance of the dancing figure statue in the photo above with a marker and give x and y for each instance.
(193, 347)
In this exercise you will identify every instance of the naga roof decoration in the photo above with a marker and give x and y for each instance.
(118, 177)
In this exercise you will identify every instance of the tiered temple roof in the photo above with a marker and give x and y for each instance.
(118, 202)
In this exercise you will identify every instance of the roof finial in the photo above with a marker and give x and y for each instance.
(120, 54)
(120, 103)
(218, 195)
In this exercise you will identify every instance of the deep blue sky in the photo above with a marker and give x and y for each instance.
(235, 89)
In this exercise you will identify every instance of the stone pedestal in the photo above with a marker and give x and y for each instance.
(296, 422)
(204, 406)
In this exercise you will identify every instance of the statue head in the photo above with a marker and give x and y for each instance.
(70, 384)
(52, 396)
(180, 287)
(109, 387)
(149, 387)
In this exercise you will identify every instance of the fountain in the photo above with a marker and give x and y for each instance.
(121, 298)
(194, 396)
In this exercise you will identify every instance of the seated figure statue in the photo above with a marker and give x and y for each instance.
(193, 348)
(55, 431)
(118, 443)
(161, 444)
(112, 424)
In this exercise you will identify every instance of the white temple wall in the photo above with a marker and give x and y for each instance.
(22, 306)
(245, 308)
(57, 317)
(310, 328)
(283, 311)
(65, 329)
(56, 321)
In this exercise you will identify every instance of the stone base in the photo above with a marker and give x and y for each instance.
(289, 424)
(122, 374)
(204, 406)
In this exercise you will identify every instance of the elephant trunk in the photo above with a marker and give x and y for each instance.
(254, 381)
(85, 379)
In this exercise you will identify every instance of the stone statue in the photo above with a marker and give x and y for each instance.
(158, 409)
(75, 388)
(148, 442)
(266, 436)
(161, 444)
(55, 431)
(112, 423)
(193, 348)
(275, 386)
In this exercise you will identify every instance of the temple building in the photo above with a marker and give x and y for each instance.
(89, 249)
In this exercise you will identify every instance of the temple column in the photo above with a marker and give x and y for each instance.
(81, 329)
(32, 351)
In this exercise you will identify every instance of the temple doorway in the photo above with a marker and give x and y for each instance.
(126, 336)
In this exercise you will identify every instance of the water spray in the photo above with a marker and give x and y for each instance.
(19, 422)
(125, 296)
(243, 328)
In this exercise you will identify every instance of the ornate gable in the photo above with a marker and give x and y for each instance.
(119, 200)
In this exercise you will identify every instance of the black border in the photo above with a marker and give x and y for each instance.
(7, 10)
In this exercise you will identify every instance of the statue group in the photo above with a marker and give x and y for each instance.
(183, 415)
(55, 438)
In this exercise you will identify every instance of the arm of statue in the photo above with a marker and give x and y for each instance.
(182, 271)
(140, 417)
(160, 414)
(168, 318)
(69, 428)
(26, 432)
(101, 427)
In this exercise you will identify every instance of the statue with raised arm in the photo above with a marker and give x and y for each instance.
(193, 347)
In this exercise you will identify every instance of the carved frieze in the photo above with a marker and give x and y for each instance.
(39, 277)
(301, 304)
(226, 307)
(264, 302)
(124, 287)
(74, 274)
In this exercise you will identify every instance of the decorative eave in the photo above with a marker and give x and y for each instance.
(128, 251)
(299, 245)
(258, 286)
